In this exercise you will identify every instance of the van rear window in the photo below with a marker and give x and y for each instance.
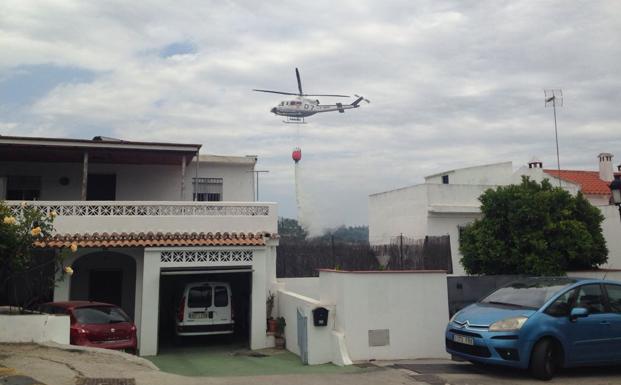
(221, 296)
(199, 296)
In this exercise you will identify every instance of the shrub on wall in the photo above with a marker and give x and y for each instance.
(25, 273)
(534, 229)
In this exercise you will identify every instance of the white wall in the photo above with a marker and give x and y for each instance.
(306, 286)
(238, 182)
(319, 339)
(448, 224)
(34, 328)
(398, 211)
(599, 274)
(413, 306)
(489, 174)
(611, 228)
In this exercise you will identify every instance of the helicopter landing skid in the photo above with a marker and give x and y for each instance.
(294, 120)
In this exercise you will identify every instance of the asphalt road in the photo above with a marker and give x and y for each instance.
(439, 372)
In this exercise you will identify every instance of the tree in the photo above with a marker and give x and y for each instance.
(350, 234)
(24, 273)
(290, 230)
(533, 229)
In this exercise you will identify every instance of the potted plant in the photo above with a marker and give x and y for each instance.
(280, 332)
(269, 305)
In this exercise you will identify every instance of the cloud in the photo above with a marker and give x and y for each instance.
(452, 84)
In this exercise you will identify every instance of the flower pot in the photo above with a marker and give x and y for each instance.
(272, 325)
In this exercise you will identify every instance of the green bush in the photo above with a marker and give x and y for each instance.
(533, 229)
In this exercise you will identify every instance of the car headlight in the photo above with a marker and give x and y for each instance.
(509, 324)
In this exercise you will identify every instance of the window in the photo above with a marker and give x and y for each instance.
(562, 306)
(221, 296)
(199, 297)
(100, 315)
(614, 297)
(207, 189)
(445, 179)
(23, 188)
(591, 298)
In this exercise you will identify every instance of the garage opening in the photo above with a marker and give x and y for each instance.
(204, 309)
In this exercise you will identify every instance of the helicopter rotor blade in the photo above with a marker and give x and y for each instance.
(334, 96)
(277, 92)
(297, 75)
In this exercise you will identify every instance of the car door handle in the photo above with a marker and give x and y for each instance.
(605, 323)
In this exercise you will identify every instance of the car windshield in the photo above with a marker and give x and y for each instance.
(100, 315)
(530, 294)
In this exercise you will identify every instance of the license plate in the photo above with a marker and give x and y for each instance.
(463, 339)
(198, 315)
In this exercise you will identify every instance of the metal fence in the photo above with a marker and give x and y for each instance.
(302, 258)
(404, 253)
(297, 258)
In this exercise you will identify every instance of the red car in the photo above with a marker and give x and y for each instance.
(96, 324)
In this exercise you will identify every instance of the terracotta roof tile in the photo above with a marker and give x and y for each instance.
(154, 239)
(588, 180)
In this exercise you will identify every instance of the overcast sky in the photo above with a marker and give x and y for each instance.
(452, 84)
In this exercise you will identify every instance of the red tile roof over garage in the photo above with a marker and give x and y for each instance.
(588, 180)
(155, 239)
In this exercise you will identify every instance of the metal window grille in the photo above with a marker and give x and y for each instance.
(207, 189)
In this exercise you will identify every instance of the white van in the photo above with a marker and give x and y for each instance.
(205, 308)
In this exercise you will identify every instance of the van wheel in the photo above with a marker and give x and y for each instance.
(545, 360)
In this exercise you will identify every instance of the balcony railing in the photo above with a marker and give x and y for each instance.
(97, 209)
(125, 216)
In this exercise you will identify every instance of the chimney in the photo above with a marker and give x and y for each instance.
(605, 167)
(535, 163)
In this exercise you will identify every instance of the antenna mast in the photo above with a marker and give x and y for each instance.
(554, 97)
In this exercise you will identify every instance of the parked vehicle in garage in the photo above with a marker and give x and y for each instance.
(205, 308)
(542, 324)
(96, 324)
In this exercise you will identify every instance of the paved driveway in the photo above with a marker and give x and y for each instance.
(69, 365)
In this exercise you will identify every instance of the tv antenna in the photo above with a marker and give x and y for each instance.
(554, 97)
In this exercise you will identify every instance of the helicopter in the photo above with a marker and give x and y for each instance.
(301, 107)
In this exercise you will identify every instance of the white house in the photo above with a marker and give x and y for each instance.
(147, 216)
(448, 200)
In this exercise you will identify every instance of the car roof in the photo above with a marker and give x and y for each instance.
(77, 304)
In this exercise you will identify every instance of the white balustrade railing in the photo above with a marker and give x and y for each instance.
(122, 216)
(98, 209)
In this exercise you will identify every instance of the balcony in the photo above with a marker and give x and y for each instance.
(176, 216)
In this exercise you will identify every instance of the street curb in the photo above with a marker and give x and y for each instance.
(127, 357)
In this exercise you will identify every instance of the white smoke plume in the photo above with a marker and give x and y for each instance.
(306, 215)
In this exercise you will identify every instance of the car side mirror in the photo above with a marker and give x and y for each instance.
(578, 312)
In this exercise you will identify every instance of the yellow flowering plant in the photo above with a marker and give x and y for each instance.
(35, 269)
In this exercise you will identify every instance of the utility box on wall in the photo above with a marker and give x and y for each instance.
(320, 316)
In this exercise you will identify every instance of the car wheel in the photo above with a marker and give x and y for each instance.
(544, 361)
